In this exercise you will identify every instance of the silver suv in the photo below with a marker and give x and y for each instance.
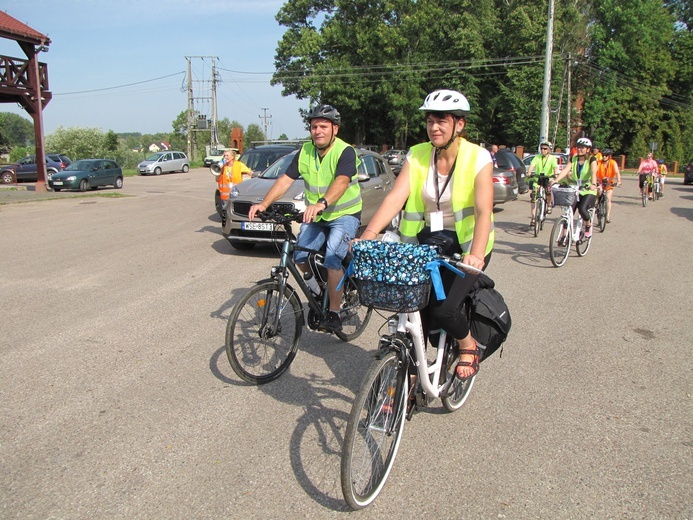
(164, 162)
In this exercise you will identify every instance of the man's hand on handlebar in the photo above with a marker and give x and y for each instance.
(254, 210)
(312, 211)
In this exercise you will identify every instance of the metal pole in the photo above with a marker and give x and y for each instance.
(546, 98)
(570, 70)
(190, 110)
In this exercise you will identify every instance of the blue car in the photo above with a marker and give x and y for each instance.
(88, 174)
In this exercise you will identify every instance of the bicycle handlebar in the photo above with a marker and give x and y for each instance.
(280, 217)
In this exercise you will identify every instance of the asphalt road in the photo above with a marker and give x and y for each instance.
(117, 400)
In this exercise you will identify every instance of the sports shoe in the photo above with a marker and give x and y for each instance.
(331, 323)
(588, 232)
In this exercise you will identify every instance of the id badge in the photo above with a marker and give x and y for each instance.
(437, 221)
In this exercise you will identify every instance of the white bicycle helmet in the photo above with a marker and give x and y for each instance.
(546, 143)
(448, 101)
(583, 141)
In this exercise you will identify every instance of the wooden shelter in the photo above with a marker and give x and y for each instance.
(26, 81)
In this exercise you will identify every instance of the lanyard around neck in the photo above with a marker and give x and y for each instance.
(439, 193)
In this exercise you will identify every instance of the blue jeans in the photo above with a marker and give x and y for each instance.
(338, 233)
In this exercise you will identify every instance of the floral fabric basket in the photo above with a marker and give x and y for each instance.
(392, 276)
(564, 196)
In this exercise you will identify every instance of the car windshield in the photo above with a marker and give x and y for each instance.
(278, 168)
(79, 166)
(155, 156)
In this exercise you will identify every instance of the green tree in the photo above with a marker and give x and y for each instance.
(77, 143)
(16, 130)
(111, 141)
(252, 133)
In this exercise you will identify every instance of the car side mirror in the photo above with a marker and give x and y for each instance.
(363, 177)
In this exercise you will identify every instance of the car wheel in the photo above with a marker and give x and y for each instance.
(157, 171)
(118, 183)
(242, 246)
(83, 185)
(186, 168)
(7, 177)
(217, 202)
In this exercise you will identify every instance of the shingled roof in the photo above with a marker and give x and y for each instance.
(13, 29)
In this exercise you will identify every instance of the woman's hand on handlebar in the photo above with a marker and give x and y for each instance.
(474, 261)
(254, 210)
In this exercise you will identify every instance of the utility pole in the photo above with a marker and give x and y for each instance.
(214, 138)
(265, 121)
(546, 98)
(191, 111)
(570, 68)
(200, 122)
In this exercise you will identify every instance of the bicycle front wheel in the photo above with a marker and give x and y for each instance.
(263, 333)
(583, 245)
(537, 217)
(644, 196)
(374, 431)
(559, 245)
(457, 394)
(355, 317)
(601, 214)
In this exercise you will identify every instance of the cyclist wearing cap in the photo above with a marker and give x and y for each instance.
(607, 170)
(332, 193)
(648, 166)
(582, 171)
(446, 189)
(543, 168)
(663, 171)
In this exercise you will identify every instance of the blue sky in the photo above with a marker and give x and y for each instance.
(98, 44)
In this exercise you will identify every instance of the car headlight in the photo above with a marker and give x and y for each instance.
(71, 178)
(300, 196)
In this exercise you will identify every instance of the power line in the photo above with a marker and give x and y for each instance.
(118, 86)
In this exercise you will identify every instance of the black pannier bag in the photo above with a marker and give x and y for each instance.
(488, 316)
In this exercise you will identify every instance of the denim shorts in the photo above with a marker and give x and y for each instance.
(338, 233)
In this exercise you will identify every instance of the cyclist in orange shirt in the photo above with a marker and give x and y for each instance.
(607, 169)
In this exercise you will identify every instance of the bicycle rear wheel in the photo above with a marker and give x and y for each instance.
(355, 317)
(374, 431)
(559, 245)
(258, 351)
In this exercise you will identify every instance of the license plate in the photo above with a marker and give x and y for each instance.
(57, 183)
(257, 226)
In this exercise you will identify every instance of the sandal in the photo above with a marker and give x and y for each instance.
(474, 364)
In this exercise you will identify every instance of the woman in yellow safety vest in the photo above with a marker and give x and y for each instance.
(231, 174)
(447, 187)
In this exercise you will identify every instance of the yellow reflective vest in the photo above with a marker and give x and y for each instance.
(318, 175)
(463, 179)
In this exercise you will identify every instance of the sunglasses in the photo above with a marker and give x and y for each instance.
(543, 148)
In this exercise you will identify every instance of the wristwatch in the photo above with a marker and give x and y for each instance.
(323, 200)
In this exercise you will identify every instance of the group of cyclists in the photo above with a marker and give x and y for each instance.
(591, 170)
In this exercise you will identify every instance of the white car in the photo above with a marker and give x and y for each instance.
(375, 178)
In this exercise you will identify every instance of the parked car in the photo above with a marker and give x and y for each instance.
(395, 157)
(261, 157)
(508, 160)
(375, 178)
(26, 169)
(88, 174)
(504, 185)
(63, 159)
(688, 173)
(164, 162)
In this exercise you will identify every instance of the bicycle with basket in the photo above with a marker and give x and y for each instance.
(405, 374)
(568, 229)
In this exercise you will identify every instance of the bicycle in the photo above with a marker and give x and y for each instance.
(402, 368)
(646, 189)
(567, 229)
(540, 205)
(265, 326)
(603, 204)
(656, 188)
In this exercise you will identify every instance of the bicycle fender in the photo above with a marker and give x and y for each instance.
(266, 280)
